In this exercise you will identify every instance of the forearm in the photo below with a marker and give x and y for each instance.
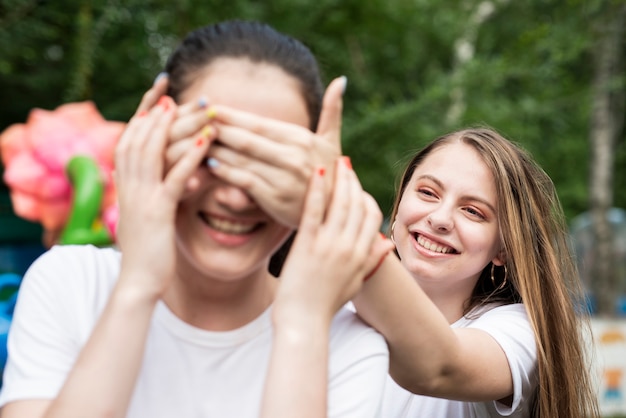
(297, 379)
(421, 342)
(102, 380)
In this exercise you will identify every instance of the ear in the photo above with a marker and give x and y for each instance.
(500, 259)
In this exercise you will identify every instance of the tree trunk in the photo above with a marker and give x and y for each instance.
(464, 49)
(607, 120)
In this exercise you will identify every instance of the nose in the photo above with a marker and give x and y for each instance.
(233, 198)
(440, 220)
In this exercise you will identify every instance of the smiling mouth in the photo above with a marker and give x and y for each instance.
(433, 246)
(229, 227)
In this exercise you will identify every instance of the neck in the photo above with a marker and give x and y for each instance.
(450, 300)
(219, 305)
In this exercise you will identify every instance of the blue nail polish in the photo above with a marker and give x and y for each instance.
(159, 76)
(202, 102)
(212, 163)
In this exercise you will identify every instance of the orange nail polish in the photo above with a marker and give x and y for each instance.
(199, 142)
(321, 171)
(164, 103)
(142, 113)
(346, 160)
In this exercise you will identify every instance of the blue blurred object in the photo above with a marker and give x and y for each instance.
(9, 286)
(14, 261)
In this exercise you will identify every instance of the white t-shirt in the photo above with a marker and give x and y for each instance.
(509, 326)
(187, 372)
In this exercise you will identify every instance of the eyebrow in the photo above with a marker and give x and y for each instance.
(469, 197)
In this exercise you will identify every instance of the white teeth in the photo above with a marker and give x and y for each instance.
(230, 227)
(429, 245)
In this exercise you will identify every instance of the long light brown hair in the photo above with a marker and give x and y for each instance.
(540, 271)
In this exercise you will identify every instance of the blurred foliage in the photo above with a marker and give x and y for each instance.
(530, 75)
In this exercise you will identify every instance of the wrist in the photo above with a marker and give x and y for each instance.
(300, 321)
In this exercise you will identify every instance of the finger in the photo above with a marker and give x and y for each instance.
(276, 130)
(332, 107)
(190, 107)
(129, 148)
(261, 148)
(339, 206)
(176, 149)
(369, 235)
(154, 148)
(244, 178)
(357, 205)
(269, 172)
(314, 207)
(151, 97)
(190, 121)
(177, 177)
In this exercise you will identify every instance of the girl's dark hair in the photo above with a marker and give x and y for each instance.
(255, 41)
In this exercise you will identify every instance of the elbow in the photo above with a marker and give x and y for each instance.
(427, 382)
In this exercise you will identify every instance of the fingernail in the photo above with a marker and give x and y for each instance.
(207, 131)
(344, 83)
(212, 163)
(199, 142)
(321, 171)
(203, 102)
(142, 113)
(164, 103)
(211, 113)
(159, 76)
(347, 162)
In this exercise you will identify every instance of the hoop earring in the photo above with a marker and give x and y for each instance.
(393, 225)
(493, 279)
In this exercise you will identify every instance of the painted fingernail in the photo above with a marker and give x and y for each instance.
(211, 112)
(344, 83)
(321, 171)
(199, 142)
(347, 162)
(159, 77)
(203, 102)
(142, 113)
(207, 131)
(212, 163)
(164, 103)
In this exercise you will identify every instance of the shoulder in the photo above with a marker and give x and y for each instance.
(494, 316)
(348, 326)
(70, 272)
(68, 260)
(507, 324)
(351, 337)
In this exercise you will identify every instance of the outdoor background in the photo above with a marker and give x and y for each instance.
(548, 74)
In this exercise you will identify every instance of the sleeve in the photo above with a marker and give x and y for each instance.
(510, 327)
(358, 368)
(43, 340)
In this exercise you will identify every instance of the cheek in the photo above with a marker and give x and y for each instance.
(481, 239)
(410, 210)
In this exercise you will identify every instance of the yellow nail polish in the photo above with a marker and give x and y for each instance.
(211, 112)
(207, 131)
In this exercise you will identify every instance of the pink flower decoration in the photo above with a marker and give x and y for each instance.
(35, 156)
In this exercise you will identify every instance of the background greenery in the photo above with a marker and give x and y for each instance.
(530, 75)
(527, 70)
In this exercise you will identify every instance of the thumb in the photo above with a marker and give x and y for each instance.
(329, 126)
